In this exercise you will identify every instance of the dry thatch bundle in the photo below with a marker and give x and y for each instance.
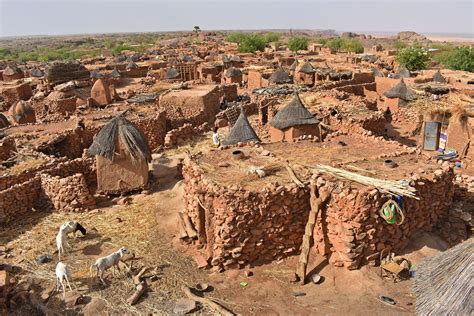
(131, 138)
(241, 132)
(401, 91)
(12, 70)
(294, 114)
(443, 283)
(403, 73)
(116, 73)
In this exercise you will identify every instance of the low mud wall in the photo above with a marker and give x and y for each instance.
(239, 227)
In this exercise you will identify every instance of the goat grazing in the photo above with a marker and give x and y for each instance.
(73, 227)
(64, 230)
(62, 273)
(110, 261)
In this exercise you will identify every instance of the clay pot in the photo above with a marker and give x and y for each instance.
(237, 154)
(389, 163)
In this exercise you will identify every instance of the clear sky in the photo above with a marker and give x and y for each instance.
(53, 17)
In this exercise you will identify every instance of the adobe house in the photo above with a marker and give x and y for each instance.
(122, 155)
(60, 72)
(134, 71)
(258, 77)
(209, 73)
(305, 74)
(398, 96)
(241, 132)
(293, 121)
(22, 113)
(12, 72)
(280, 76)
(233, 75)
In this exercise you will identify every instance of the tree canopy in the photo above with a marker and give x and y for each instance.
(298, 43)
(413, 57)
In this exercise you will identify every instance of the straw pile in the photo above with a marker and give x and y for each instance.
(385, 186)
(443, 284)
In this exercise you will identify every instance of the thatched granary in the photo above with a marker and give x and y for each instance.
(398, 95)
(241, 132)
(293, 121)
(22, 113)
(131, 65)
(377, 72)
(64, 71)
(4, 122)
(12, 72)
(96, 75)
(402, 73)
(172, 74)
(438, 77)
(305, 74)
(443, 283)
(35, 72)
(233, 75)
(116, 73)
(122, 156)
(280, 76)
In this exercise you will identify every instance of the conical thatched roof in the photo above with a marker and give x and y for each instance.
(241, 132)
(35, 72)
(307, 68)
(443, 283)
(96, 75)
(116, 73)
(438, 77)
(4, 122)
(236, 58)
(294, 114)
(280, 76)
(132, 65)
(403, 73)
(401, 91)
(294, 65)
(225, 59)
(119, 129)
(377, 72)
(172, 73)
(233, 72)
(11, 70)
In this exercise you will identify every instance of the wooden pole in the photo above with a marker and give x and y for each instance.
(316, 202)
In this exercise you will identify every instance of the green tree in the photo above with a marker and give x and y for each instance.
(459, 58)
(236, 37)
(353, 45)
(298, 43)
(252, 43)
(414, 57)
(335, 43)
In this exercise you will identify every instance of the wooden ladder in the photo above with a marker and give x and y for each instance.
(316, 201)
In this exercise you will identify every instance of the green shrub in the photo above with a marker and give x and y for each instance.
(298, 43)
(414, 57)
(399, 45)
(335, 43)
(352, 45)
(459, 58)
(236, 37)
(119, 47)
(272, 37)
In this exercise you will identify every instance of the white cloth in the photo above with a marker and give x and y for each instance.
(215, 139)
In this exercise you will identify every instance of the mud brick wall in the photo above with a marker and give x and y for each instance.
(13, 179)
(19, 199)
(187, 131)
(85, 166)
(375, 123)
(7, 148)
(69, 194)
(238, 227)
(16, 93)
(154, 128)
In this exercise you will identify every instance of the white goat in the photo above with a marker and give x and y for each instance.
(105, 263)
(62, 273)
(64, 230)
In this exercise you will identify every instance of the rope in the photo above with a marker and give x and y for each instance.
(389, 215)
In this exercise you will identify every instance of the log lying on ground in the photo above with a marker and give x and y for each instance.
(188, 226)
(140, 287)
(210, 303)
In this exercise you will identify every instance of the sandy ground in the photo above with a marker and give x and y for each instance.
(147, 227)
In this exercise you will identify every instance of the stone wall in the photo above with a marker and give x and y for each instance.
(26, 191)
(7, 148)
(239, 227)
(180, 134)
(69, 194)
